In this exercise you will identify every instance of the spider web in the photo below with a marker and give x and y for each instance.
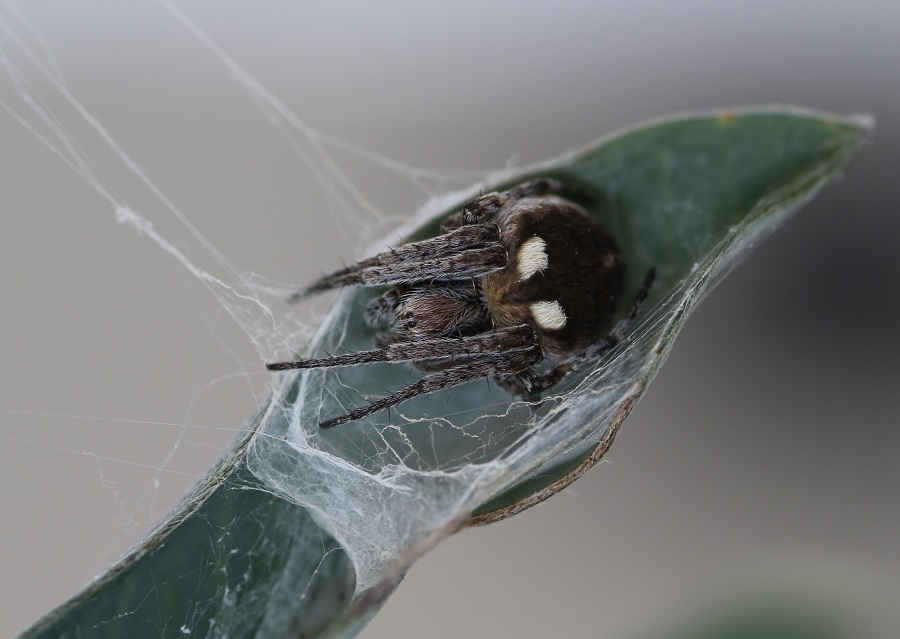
(387, 487)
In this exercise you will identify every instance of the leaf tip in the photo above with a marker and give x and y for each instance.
(865, 122)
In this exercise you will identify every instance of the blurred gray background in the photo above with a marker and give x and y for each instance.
(766, 452)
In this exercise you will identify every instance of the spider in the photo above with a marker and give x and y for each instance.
(517, 278)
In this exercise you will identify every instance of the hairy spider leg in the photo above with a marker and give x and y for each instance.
(515, 339)
(488, 205)
(501, 352)
(504, 363)
(468, 248)
(545, 186)
(462, 253)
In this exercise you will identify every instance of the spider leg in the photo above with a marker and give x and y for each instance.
(462, 253)
(514, 339)
(529, 386)
(505, 363)
(545, 186)
(488, 205)
(519, 384)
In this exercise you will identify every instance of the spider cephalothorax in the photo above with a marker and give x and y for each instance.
(517, 278)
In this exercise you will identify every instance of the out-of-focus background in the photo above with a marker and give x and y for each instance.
(766, 455)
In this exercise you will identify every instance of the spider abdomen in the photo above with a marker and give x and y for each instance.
(564, 275)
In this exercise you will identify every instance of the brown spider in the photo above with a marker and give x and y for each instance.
(517, 278)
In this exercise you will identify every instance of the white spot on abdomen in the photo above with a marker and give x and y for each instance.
(550, 316)
(532, 257)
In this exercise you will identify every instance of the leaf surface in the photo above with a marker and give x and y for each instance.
(302, 532)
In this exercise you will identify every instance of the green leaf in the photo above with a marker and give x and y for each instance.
(303, 532)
